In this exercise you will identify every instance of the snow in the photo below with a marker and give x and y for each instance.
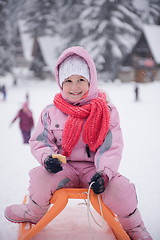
(140, 163)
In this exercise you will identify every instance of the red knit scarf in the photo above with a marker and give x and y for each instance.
(94, 129)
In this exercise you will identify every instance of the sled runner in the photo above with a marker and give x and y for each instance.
(59, 201)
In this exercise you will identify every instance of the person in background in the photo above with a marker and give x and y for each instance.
(27, 97)
(4, 92)
(26, 122)
(14, 81)
(83, 126)
(136, 90)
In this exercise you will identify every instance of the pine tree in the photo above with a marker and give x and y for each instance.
(69, 21)
(111, 29)
(14, 10)
(40, 17)
(154, 13)
(5, 60)
(107, 28)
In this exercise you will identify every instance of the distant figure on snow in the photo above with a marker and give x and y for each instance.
(27, 97)
(14, 81)
(3, 91)
(26, 122)
(136, 90)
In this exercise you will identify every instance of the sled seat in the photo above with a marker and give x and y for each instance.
(59, 201)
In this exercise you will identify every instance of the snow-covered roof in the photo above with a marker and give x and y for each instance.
(152, 34)
(49, 46)
(27, 42)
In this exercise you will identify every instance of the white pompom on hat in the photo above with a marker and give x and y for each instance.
(73, 65)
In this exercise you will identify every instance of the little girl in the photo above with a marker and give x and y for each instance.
(26, 122)
(81, 125)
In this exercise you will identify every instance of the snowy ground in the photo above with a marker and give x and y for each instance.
(140, 126)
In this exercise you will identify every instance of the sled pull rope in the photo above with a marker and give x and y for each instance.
(90, 213)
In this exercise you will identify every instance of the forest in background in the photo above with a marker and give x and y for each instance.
(106, 28)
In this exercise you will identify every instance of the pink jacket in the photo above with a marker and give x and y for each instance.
(47, 136)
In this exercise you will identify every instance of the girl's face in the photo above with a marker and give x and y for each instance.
(74, 88)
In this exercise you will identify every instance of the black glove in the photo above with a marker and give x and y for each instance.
(52, 165)
(100, 182)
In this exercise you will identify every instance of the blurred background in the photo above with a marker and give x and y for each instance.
(121, 35)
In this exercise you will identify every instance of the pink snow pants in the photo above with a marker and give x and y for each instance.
(119, 196)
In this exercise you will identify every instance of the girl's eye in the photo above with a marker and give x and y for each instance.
(81, 80)
(67, 81)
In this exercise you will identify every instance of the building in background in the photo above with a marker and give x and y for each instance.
(143, 63)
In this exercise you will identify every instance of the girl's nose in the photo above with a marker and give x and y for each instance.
(75, 86)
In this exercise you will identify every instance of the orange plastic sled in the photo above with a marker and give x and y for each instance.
(59, 201)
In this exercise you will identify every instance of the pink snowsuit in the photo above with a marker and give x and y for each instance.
(26, 123)
(120, 194)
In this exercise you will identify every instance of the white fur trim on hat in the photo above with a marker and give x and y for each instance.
(74, 64)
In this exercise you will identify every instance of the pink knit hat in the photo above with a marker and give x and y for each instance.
(73, 64)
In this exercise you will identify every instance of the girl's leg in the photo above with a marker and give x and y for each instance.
(42, 185)
(26, 136)
(120, 196)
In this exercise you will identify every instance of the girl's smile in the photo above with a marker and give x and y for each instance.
(74, 88)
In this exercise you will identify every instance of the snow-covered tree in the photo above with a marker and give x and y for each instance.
(107, 28)
(40, 17)
(5, 58)
(110, 27)
(69, 22)
(9, 13)
(14, 9)
(148, 11)
(154, 11)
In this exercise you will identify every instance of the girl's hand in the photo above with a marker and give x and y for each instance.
(100, 182)
(52, 165)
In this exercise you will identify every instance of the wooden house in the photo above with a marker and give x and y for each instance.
(44, 56)
(143, 63)
(18, 53)
(38, 64)
(40, 53)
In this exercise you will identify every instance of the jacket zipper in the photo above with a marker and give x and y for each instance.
(88, 151)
